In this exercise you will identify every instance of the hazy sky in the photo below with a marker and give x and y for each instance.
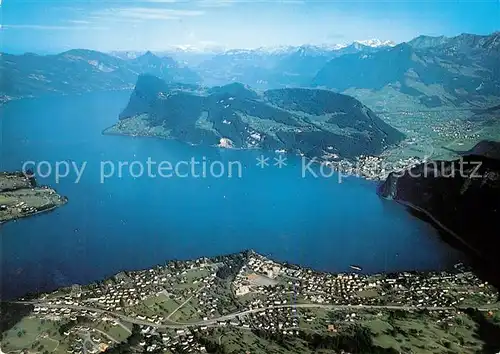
(56, 25)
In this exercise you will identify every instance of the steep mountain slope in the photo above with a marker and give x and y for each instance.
(433, 71)
(424, 42)
(486, 148)
(461, 196)
(312, 122)
(163, 67)
(81, 70)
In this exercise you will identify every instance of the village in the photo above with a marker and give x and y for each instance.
(170, 307)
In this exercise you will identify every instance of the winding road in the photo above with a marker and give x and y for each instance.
(179, 325)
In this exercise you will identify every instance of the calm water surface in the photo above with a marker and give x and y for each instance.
(130, 223)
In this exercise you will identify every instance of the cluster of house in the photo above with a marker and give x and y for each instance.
(368, 167)
(281, 320)
(265, 289)
(125, 293)
(95, 341)
(20, 207)
(456, 129)
(88, 340)
(379, 167)
(440, 289)
(78, 335)
(56, 310)
(178, 341)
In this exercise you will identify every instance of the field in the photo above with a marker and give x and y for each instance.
(422, 334)
(113, 330)
(39, 335)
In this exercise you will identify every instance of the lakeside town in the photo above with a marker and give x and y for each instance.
(190, 306)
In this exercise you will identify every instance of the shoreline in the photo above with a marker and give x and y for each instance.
(39, 212)
(58, 94)
(106, 132)
(306, 269)
(438, 223)
(317, 160)
(21, 197)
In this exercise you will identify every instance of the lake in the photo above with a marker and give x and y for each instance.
(131, 222)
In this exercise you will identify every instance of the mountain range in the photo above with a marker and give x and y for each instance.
(276, 68)
(461, 71)
(424, 73)
(207, 51)
(81, 70)
(311, 122)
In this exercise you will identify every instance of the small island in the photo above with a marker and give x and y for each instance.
(20, 196)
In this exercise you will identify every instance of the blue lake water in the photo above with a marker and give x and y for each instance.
(131, 223)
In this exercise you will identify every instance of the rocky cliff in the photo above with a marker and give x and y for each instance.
(462, 197)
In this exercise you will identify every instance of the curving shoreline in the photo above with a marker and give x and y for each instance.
(20, 197)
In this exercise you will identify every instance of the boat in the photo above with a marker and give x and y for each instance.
(355, 267)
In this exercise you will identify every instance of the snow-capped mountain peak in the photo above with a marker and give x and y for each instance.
(278, 50)
(374, 43)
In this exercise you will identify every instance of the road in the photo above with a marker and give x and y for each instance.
(425, 111)
(179, 325)
(439, 223)
(124, 327)
(86, 339)
(184, 303)
(107, 336)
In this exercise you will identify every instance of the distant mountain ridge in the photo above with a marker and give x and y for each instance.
(217, 49)
(433, 71)
(464, 41)
(426, 72)
(306, 121)
(81, 70)
(278, 68)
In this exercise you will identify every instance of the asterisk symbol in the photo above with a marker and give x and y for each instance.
(262, 161)
(280, 161)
